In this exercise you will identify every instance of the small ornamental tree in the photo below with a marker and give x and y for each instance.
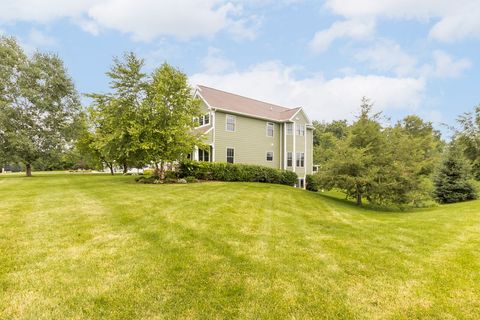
(452, 181)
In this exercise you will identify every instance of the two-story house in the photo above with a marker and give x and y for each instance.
(244, 130)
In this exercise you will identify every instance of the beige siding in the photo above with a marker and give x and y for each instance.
(249, 140)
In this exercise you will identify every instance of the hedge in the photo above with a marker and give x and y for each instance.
(235, 172)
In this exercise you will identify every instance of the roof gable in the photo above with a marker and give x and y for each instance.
(226, 101)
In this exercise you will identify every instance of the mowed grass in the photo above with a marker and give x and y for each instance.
(78, 246)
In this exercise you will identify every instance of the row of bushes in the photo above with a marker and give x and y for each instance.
(235, 172)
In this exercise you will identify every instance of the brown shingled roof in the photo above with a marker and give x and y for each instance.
(219, 99)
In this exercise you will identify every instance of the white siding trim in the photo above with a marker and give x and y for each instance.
(284, 146)
(213, 136)
(294, 153)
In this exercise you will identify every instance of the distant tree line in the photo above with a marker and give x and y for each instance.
(406, 163)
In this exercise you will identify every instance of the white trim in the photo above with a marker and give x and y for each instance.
(213, 136)
(295, 114)
(234, 122)
(226, 154)
(197, 92)
(294, 152)
(284, 147)
(305, 153)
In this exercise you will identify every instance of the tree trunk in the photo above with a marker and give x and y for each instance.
(359, 199)
(110, 165)
(125, 168)
(29, 170)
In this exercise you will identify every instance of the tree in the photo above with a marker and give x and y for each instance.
(325, 136)
(468, 138)
(452, 181)
(354, 161)
(114, 115)
(38, 105)
(166, 122)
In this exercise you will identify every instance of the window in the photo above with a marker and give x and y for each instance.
(289, 159)
(270, 127)
(204, 120)
(289, 129)
(269, 155)
(230, 123)
(230, 155)
(300, 130)
(300, 159)
(203, 155)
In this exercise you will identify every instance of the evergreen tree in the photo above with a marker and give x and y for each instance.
(452, 181)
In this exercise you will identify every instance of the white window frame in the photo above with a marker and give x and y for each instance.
(226, 153)
(273, 129)
(300, 160)
(234, 123)
(289, 128)
(300, 130)
(291, 159)
(267, 156)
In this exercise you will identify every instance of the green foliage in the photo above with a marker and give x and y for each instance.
(452, 181)
(235, 172)
(166, 119)
(191, 179)
(387, 166)
(148, 172)
(312, 183)
(468, 138)
(39, 105)
(114, 116)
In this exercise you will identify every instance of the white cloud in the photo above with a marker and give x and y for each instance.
(457, 19)
(143, 19)
(215, 62)
(355, 29)
(445, 66)
(386, 56)
(324, 99)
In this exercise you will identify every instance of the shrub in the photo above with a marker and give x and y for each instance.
(182, 181)
(146, 179)
(312, 182)
(235, 172)
(171, 175)
(148, 172)
(191, 179)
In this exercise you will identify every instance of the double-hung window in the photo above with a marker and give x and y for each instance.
(269, 155)
(289, 159)
(230, 125)
(230, 155)
(289, 129)
(270, 127)
(300, 159)
(300, 130)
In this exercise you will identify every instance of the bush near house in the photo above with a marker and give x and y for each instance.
(312, 182)
(235, 172)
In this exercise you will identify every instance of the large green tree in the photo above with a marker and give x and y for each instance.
(115, 114)
(354, 161)
(166, 122)
(38, 105)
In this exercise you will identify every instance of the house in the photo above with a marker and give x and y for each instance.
(238, 129)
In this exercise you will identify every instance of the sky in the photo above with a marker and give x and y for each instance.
(408, 56)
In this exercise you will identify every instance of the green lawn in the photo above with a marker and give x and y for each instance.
(95, 247)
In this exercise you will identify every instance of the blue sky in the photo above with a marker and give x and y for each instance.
(408, 56)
